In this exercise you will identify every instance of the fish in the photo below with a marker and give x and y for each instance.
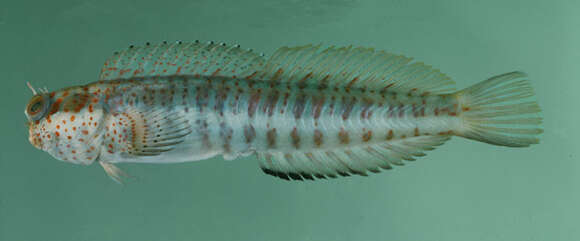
(306, 112)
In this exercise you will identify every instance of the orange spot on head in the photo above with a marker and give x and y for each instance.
(72, 118)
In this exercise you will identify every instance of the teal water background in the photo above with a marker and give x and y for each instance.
(463, 191)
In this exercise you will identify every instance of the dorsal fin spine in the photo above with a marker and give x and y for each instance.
(294, 74)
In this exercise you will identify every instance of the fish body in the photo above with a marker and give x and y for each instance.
(306, 112)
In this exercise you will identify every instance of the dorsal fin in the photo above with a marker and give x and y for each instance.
(362, 68)
(165, 59)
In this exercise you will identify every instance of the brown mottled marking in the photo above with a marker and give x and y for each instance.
(215, 73)
(299, 106)
(354, 80)
(249, 133)
(436, 111)
(367, 136)
(270, 104)
(55, 106)
(83, 99)
(331, 106)
(317, 104)
(205, 140)
(401, 111)
(220, 98)
(284, 102)
(347, 107)
(318, 138)
(365, 113)
(202, 128)
(391, 111)
(277, 74)
(390, 135)
(226, 134)
(302, 83)
(343, 136)
(271, 138)
(254, 100)
(295, 138)
(323, 84)
(445, 133)
(249, 77)
(416, 131)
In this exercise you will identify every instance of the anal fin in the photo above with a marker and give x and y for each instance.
(347, 161)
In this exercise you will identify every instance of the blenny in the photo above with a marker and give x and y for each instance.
(306, 112)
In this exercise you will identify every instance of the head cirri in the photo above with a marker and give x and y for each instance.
(66, 123)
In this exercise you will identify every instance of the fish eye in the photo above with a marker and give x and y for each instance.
(36, 107)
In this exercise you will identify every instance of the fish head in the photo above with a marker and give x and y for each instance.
(66, 123)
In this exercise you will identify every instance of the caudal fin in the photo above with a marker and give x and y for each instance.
(501, 111)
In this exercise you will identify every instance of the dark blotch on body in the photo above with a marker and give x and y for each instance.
(271, 138)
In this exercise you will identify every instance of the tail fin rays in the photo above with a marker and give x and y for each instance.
(500, 111)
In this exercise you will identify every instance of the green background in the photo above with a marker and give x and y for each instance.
(461, 191)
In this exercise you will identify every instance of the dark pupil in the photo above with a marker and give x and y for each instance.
(34, 108)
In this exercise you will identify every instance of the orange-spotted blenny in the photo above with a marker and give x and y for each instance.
(306, 112)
